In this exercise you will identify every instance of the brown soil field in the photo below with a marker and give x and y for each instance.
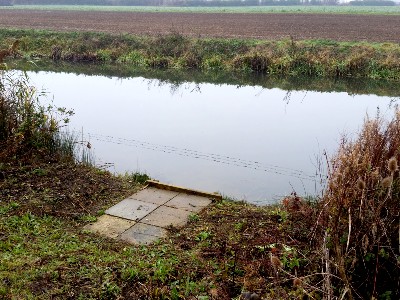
(371, 28)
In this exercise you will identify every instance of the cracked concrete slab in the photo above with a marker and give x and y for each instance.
(189, 202)
(155, 196)
(131, 209)
(139, 238)
(165, 216)
(143, 234)
(109, 226)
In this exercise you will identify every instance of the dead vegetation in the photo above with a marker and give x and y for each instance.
(361, 208)
(11, 51)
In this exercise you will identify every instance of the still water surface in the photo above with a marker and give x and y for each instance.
(246, 142)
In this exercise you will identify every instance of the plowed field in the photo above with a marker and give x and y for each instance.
(371, 28)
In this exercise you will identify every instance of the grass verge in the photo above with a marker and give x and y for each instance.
(286, 58)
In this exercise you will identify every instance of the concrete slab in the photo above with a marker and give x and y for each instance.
(165, 186)
(189, 202)
(143, 234)
(131, 209)
(148, 229)
(139, 239)
(109, 226)
(143, 218)
(165, 216)
(153, 195)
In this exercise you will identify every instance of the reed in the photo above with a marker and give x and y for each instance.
(362, 211)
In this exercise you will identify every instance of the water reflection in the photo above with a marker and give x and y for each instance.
(249, 142)
(179, 77)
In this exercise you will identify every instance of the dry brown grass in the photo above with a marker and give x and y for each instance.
(12, 50)
(362, 211)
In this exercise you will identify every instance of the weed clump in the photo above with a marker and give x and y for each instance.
(29, 129)
(362, 212)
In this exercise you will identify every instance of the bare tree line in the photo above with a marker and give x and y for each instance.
(169, 2)
(191, 2)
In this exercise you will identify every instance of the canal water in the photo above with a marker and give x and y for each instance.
(247, 142)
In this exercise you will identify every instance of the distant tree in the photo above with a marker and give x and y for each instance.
(330, 2)
(179, 2)
(372, 3)
(6, 2)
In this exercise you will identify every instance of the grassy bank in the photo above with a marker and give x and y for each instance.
(222, 252)
(286, 58)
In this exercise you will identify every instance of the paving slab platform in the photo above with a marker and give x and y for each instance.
(145, 217)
